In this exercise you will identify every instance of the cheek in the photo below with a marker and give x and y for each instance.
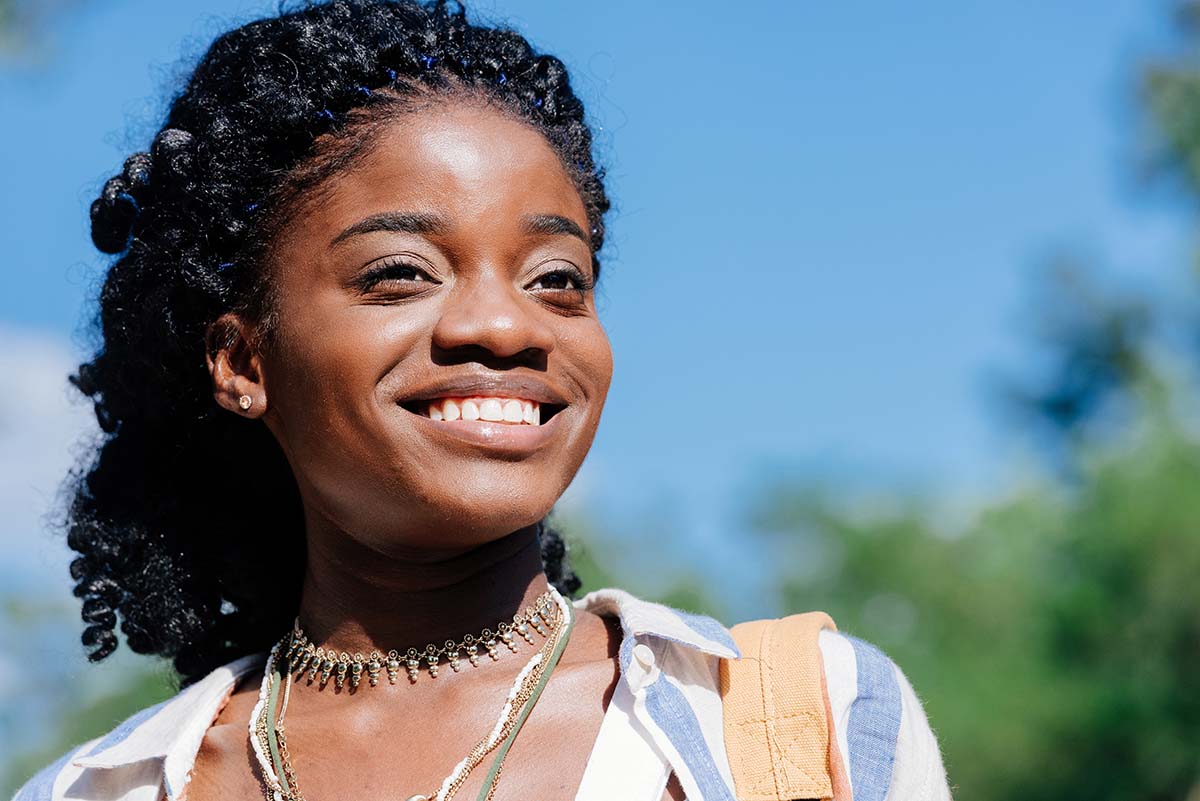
(328, 367)
(590, 351)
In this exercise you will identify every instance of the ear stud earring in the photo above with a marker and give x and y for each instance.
(244, 401)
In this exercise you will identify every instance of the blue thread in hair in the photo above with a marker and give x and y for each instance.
(251, 207)
(502, 79)
(325, 114)
(131, 200)
(428, 61)
(225, 266)
(537, 102)
(391, 73)
(364, 91)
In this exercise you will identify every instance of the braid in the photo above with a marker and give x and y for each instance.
(272, 109)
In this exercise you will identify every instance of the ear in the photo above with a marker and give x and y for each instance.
(235, 366)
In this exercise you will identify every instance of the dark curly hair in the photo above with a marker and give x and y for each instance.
(272, 110)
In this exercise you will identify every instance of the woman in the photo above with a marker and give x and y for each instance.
(351, 359)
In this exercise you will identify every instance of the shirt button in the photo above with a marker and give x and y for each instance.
(643, 654)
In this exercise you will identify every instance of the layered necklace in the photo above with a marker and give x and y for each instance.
(551, 616)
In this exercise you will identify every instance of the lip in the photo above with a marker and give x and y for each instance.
(497, 385)
(502, 439)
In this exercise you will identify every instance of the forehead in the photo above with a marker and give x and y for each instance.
(465, 161)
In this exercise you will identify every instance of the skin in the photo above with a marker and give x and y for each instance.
(413, 535)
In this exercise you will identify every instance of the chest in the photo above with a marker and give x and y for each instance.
(567, 749)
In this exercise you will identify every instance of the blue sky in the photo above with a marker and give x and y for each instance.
(826, 220)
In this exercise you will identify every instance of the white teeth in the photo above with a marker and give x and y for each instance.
(507, 410)
(490, 409)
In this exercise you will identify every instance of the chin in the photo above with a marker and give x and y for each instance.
(475, 510)
(485, 518)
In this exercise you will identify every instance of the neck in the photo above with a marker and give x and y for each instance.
(355, 599)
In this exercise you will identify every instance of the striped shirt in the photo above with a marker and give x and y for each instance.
(667, 709)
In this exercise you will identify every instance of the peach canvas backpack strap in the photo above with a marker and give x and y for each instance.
(779, 734)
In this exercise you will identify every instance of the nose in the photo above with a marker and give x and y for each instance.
(486, 310)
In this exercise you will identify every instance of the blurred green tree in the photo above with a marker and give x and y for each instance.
(26, 25)
(1055, 636)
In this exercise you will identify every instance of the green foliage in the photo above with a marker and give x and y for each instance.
(1171, 96)
(25, 26)
(597, 567)
(1054, 639)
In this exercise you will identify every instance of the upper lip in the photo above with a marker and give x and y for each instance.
(500, 386)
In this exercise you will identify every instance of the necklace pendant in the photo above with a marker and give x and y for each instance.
(340, 680)
(393, 667)
(373, 668)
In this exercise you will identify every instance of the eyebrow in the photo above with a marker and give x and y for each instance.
(396, 222)
(554, 224)
(424, 224)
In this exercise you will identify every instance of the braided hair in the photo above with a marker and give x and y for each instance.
(272, 110)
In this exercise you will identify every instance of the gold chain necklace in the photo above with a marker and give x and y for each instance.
(282, 784)
(303, 654)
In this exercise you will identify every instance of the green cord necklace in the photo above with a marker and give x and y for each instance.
(523, 697)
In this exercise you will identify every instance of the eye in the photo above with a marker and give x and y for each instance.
(565, 278)
(392, 269)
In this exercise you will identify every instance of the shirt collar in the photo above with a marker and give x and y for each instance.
(654, 620)
(172, 730)
(668, 661)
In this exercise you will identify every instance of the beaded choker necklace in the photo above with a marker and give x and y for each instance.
(267, 730)
(322, 663)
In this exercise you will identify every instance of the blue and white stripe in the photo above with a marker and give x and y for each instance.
(874, 723)
(669, 661)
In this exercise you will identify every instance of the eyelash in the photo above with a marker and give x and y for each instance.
(393, 269)
(386, 270)
(582, 282)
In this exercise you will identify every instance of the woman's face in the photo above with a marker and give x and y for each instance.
(445, 275)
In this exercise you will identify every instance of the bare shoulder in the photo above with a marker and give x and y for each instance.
(225, 766)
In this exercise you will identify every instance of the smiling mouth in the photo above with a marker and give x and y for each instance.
(484, 408)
